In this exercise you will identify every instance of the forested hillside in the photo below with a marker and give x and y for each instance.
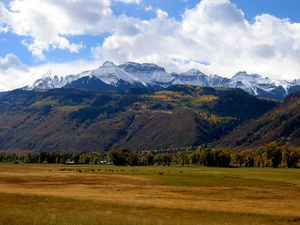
(138, 119)
(281, 125)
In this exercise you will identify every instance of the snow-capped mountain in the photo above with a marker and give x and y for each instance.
(90, 83)
(108, 73)
(257, 85)
(52, 82)
(110, 76)
(251, 83)
(191, 77)
(217, 81)
(296, 82)
(149, 73)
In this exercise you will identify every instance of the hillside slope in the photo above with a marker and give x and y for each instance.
(77, 120)
(281, 125)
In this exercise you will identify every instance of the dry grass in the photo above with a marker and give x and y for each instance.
(44, 194)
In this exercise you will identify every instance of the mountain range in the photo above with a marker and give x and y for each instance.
(130, 75)
(142, 107)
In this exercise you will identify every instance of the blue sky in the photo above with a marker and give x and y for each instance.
(279, 8)
(12, 43)
(166, 32)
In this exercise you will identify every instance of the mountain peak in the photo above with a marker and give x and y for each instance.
(194, 72)
(130, 63)
(245, 74)
(141, 66)
(111, 74)
(108, 63)
(149, 74)
(241, 74)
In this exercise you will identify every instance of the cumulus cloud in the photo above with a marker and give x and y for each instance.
(149, 8)
(14, 74)
(215, 32)
(11, 61)
(11, 70)
(130, 1)
(214, 37)
(48, 23)
(154, 40)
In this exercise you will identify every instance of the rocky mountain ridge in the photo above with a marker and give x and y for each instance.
(132, 74)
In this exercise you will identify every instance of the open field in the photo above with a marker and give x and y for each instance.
(92, 195)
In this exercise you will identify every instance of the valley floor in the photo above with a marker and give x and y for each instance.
(96, 195)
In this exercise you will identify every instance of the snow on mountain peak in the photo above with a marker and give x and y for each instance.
(255, 83)
(191, 77)
(51, 82)
(244, 74)
(151, 74)
(108, 63)
(296, 82)
(193, 72)
(148, 72)
(111, 74)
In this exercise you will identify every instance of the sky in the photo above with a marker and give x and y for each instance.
(41, 38)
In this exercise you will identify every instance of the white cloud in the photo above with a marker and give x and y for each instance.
(215, 32)
(48, 23)
(154, 40)
(149, 8)
(161, 14)
(214, 37)
(130, 1)
(11, 70)
(11, 61)
(14, 74)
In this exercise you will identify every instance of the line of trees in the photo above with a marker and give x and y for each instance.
(53, 157)
(270, 155)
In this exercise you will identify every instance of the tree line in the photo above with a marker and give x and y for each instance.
(270, 155)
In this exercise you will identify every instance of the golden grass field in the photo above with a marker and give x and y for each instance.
(96, 195)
